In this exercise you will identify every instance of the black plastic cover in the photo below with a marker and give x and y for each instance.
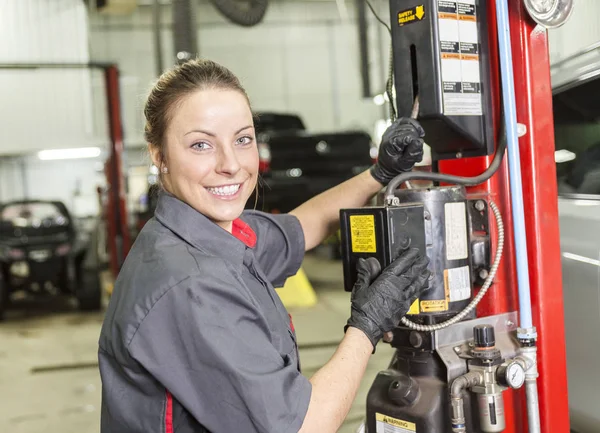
(441, 53)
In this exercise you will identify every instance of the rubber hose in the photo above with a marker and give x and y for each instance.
(245, 14)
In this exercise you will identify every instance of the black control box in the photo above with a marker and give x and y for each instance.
(442, 54)
(381, 232)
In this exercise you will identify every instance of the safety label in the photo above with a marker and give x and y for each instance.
(458, 283)
(459, 52)
(387, 424)
(414, 308)
(362, 233)
(457, 247)
(411, 15)
(434, 306)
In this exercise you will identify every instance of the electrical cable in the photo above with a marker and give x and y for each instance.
(486, 285)
(389, 84)
(448, 178)
(377, 17)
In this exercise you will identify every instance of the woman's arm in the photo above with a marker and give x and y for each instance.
(335, 385)
(401, 147)
(320, 216)
(376, 309)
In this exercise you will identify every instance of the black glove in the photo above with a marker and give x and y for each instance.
(378, 307)
(400, 149)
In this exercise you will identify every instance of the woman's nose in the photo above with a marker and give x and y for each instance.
(228, 162)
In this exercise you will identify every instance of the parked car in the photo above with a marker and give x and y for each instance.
(41, 246)
(576, 84)
(296, 164)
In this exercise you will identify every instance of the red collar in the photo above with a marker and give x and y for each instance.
(244, 233)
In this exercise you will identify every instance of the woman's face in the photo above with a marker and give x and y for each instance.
(211, 154)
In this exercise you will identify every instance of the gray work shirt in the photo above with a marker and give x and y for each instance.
(195, 338)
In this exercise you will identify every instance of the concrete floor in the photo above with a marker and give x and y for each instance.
(48, 366)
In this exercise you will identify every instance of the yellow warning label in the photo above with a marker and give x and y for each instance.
(414, 308)
(387, 424)
(411, 15)
(434, 306)
(362, 233)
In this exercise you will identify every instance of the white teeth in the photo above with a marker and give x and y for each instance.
(224, 190)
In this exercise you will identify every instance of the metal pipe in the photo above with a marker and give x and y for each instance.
(533, 406)
(158, 52)
(514, 164)
(456, 389)
(363, 44)
(184, 30)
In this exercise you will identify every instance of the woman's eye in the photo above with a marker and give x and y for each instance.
(201, 146)
(242, 141)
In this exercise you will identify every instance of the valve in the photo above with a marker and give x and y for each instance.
(488, 377)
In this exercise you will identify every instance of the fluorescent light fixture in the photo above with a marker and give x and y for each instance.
(581, 259)
(77, 153)
(563, 155)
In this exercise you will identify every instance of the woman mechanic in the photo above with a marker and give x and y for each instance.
(195, 338)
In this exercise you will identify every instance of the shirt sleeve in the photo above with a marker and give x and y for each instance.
(280, 244)
(209, 346)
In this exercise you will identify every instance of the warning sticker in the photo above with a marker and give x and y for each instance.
(411, 15)
(434, 306)
(414, 308)
(457, 247)
(457, 282)
(459, 52)
(362, 233)
(387, 424)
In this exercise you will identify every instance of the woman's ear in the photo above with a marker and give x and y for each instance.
(156, 155)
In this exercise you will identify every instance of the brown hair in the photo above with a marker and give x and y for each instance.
(174, 85)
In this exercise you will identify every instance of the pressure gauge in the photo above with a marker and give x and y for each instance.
(549, 13)
(511, 374)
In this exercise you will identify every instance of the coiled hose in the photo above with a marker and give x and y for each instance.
(486, 285)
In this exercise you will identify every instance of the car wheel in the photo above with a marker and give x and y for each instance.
(65, 279)
(89, 291)
(4, 297)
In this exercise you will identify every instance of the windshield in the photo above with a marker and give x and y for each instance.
(33, 215)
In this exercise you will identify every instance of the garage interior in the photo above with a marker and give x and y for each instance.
(73, 78)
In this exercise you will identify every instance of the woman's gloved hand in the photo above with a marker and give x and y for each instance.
(378, 307)
(400, 149)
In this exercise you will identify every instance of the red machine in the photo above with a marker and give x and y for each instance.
(475, 354)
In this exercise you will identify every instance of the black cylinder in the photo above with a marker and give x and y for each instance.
(447, 237)
(484, 336)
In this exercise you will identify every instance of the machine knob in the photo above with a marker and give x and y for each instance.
(484, 336)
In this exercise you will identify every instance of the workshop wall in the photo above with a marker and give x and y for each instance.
(74, 182)
(43, 108)
(303, 58)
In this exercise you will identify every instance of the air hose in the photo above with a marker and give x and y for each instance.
(246, 14)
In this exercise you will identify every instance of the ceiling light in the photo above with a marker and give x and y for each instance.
(77, 153)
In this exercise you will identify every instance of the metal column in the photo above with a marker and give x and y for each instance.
(534, 109)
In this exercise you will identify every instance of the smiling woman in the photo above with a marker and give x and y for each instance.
(195, 336)
(207, 152)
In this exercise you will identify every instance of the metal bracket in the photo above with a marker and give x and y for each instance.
(453, 344)
(478, 210)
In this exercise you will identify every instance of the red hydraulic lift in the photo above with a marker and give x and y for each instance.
(534, 110)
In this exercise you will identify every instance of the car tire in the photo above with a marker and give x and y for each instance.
(89, 291)
(4, 297)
